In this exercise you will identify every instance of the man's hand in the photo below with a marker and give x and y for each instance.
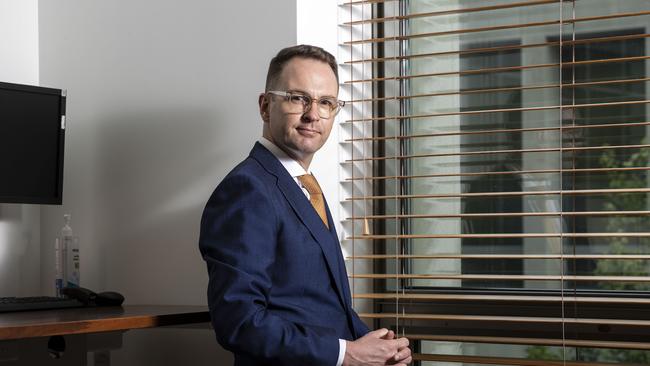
(378, 348)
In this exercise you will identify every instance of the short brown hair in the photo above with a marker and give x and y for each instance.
(304, 51)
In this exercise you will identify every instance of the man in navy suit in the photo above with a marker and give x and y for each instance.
(278, 289)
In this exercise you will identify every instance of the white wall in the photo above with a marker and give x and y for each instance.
(317, 23)
(19, 40)
(161, 105)
(19, 224)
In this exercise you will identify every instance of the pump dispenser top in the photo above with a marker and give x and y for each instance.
(66, 231)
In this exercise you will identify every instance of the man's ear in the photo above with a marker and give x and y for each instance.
(263, 102)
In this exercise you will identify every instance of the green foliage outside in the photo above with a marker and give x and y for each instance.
(620, 245)
(626, 202)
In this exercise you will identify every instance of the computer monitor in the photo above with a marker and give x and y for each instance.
(32, 136)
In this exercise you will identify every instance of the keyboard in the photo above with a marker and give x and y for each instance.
(11, 304)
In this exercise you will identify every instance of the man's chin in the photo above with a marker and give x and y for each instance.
(303, 153)
(308, 145)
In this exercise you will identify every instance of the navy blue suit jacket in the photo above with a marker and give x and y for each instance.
(278, 289)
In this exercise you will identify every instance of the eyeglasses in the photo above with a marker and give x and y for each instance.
(301, 103)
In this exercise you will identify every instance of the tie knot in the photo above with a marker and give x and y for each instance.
(309, 182)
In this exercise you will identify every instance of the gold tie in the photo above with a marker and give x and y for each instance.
(315, 195)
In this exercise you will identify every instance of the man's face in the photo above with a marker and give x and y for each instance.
(299, 135)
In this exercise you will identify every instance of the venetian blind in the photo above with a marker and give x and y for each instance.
(496, 177)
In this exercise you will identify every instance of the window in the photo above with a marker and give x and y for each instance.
(497, 177)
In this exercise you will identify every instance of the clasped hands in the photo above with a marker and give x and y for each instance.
(378, 348)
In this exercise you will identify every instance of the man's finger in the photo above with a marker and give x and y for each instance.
(401, 342)
(405, 362)
(402, 354)
(379, 333)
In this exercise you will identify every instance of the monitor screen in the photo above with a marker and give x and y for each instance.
(32, 135)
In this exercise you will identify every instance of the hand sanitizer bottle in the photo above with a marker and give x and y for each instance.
(70, 254)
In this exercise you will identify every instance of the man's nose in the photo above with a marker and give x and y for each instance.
(311, 114)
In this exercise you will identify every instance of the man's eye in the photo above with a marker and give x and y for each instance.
(327, 103)
(299, 99)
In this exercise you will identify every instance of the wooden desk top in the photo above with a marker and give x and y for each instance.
(43, 323)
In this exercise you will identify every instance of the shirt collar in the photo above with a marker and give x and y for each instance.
(293, 167)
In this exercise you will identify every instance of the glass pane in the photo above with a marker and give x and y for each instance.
(513, 139)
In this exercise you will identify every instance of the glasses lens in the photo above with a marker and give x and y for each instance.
(323, 111)
(300, 103)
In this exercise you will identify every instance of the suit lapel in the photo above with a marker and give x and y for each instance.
(345, 287)
(305, 211)
(343, 275)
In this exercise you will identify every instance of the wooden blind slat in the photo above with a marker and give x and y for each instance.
(510, 361)
(499, 90)
(495, 152)
(509, 319)
(502, 130)
(363, 2)
(531, 341)
(449, 12)
(428, 276)
(500, 69)
(568, 298)
(500, 48)
(512, 172)
(492, 152)
(502, 110)
(505, 194)
(489, 215)
(502, 256)
(503, 236)
(496, 27)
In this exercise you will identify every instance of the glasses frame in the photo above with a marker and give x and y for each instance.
(307, 107)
